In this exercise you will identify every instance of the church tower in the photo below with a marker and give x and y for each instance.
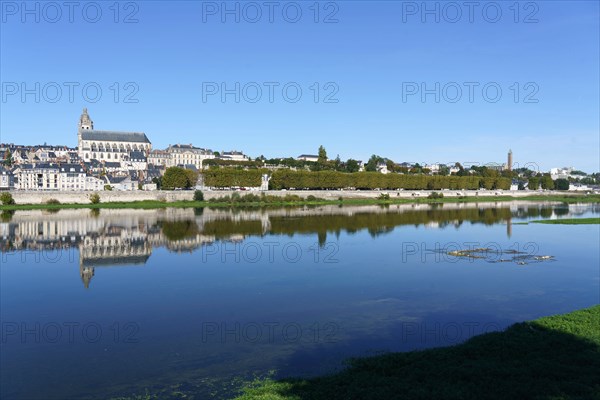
(510, 160)
(85, 124)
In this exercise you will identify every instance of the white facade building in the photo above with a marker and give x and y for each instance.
(107, 145)
(308, 157)
(184, 154)
(46, 176)
(234, 156)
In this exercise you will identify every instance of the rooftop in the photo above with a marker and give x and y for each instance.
(112, 136)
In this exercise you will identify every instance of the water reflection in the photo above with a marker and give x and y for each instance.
(127, 237)
(189, 320)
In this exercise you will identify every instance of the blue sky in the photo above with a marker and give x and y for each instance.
(369, 61)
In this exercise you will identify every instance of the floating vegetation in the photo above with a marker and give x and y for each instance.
(499, 256)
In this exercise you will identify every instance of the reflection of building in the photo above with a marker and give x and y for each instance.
(105, 238)
(86, 274)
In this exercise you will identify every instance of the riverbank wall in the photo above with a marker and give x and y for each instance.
(41, 197)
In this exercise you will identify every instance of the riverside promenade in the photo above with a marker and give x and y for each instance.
(41, 197)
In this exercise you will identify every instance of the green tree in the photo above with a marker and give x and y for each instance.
(198, 195)
(8, 158)
(175, 177)
(547, 182)
(534, 183)
(94, 198)
(192, 177)
(6, 199)
(352, 165)
(322, 155)
(372, 163)
(561, 184)
(337, 163)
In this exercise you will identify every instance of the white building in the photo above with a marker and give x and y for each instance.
(135, 161)
(43, 176)
(434, 168)
(562, 173)
(382, 168)
(307, 157)
(48, 176)
(234, 156)
(186, 154)
(122, 183)
(107, 145)
(578, 187)
(73, 177)
(159, 157)
(6, 179)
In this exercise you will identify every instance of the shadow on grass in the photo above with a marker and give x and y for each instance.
(551, 358)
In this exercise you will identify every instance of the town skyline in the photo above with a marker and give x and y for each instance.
(397, 99)
(300, 154)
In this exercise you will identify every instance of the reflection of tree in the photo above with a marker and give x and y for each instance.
(560, 211)
(322, 238)
(374, 232)
(179, 230)
(6, 215)
(95, 212)
(223, 229)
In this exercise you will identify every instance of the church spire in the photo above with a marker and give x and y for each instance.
(85, 122)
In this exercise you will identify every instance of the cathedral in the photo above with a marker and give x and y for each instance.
(109, 146)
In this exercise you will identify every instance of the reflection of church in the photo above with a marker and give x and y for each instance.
(109, 240)
(128, 237)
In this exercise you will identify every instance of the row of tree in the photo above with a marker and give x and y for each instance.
(231, 177)
(546, 182)
(286, 179)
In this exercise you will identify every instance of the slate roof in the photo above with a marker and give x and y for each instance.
(111, 136)
(118, 179)
(137, 155)
(67, 167)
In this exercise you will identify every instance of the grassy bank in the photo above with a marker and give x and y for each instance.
(555, 357)
(153, 204)
(568, 221)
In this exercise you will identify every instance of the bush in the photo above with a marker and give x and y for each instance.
(384, 196)
(52, 201)
(311, 198)
(94, 198)
(436, 195)
(107, 187)
(6, 199)
(198, 195)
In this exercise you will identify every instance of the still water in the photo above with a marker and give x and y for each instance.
(101, 304)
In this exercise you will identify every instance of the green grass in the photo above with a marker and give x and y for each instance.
(153, 204)
(568, 221)
(554, 358)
